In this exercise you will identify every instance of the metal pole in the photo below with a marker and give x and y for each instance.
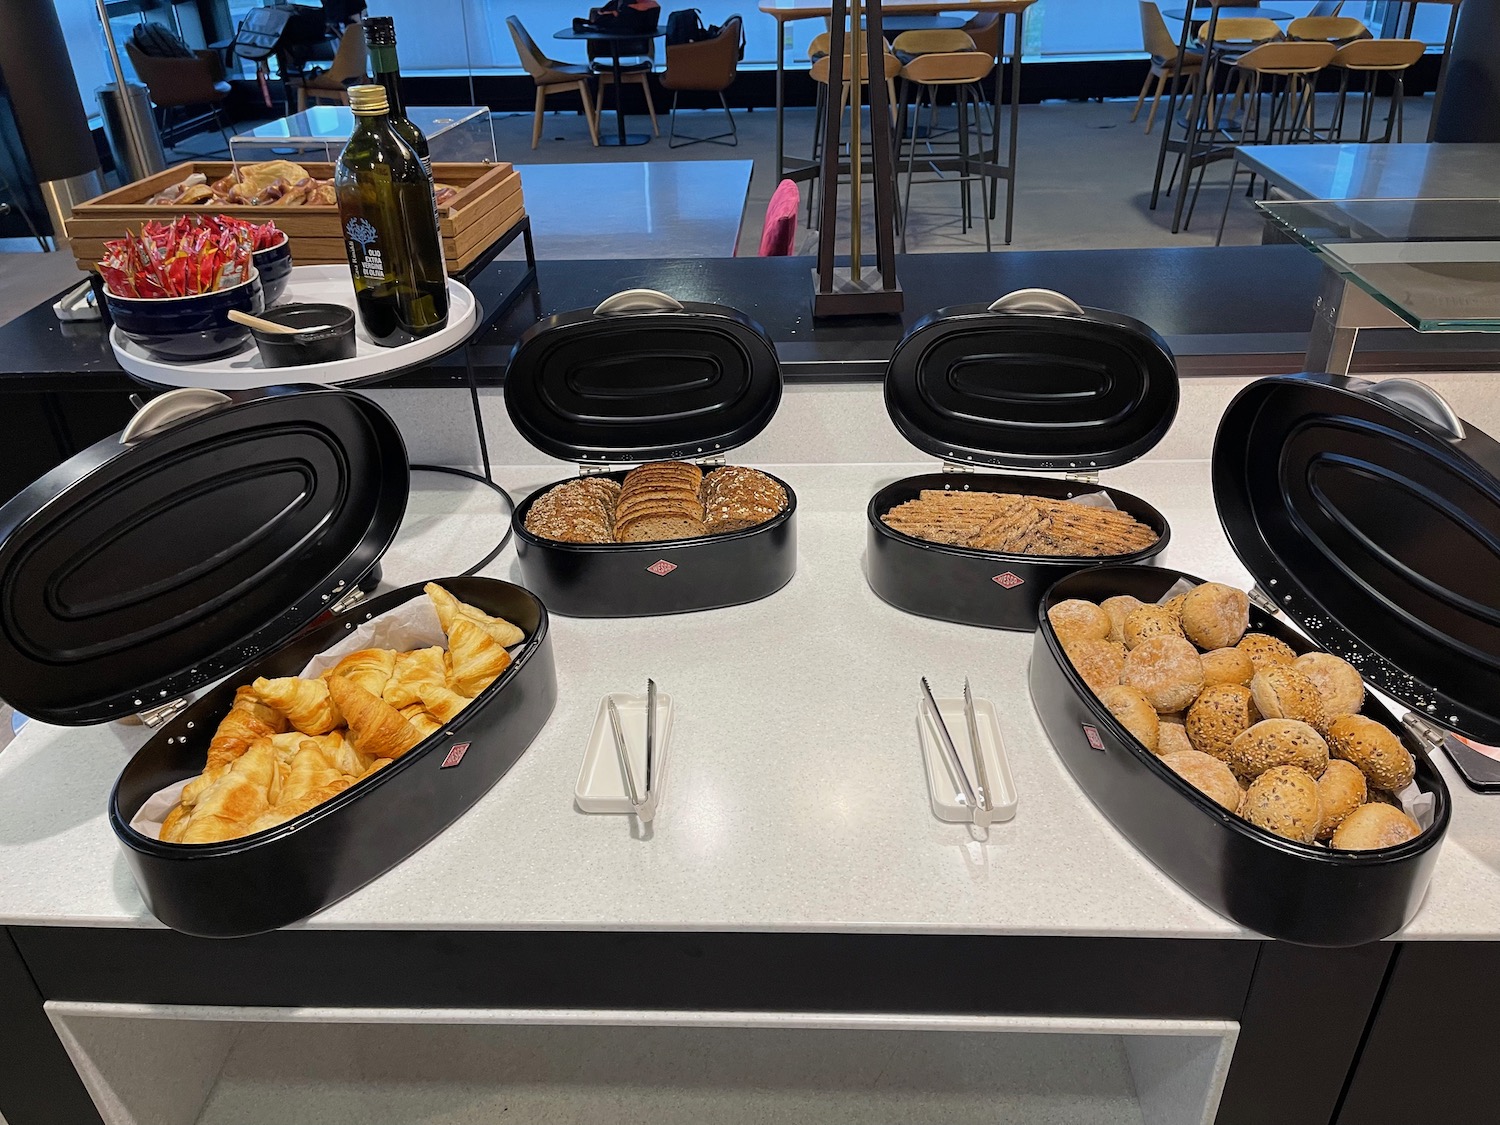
(859, 69)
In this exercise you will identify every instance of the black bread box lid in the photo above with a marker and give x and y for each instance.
(1032, 381)
(1370, 514)
(212, 529)
(642, 377)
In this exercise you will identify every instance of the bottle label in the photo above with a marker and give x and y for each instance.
(364, 250)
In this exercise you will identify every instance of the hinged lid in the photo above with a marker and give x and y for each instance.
(1370, 514)
(213, 529)
(642, 377)
(1032, 381)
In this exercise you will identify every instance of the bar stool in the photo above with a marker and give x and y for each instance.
(1288, 72)
(1372, 58)
(962, 72)
(1232, 39)
(1337, 30)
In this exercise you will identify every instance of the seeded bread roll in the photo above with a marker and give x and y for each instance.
(1118, 608)
(1174, 606)
(1214, 615)
(1135, 714)
(1284, 800)
(1278, 742)
(1219, 715)
(1227, 666)
(1379, 754)
(1076, 619)
(1265, 651)
(1282, 692)
(1166, 670)
(1098, 662)
(1339, 684)
(1208, 775)
(1150, 621)
(1341, 790)
(1172, 738)
(1375, 826)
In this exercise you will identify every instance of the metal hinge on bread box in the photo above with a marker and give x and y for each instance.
(645, 377)
(221, 538)
(1033, 382)
(1369, 516)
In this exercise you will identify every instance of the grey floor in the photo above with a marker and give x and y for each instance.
(1084, 182)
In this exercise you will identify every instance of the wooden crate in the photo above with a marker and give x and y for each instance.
(488, 203)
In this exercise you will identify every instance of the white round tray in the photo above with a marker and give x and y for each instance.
(244, 371)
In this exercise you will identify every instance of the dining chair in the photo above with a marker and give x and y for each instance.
(552, 77)
(347, 69)
(1167, 61)
(709, 66)
(635, 71)
(1329, 29)
(177, 83)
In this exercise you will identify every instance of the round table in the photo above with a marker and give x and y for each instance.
(1247, 13)
(616, 42)
(898, 23)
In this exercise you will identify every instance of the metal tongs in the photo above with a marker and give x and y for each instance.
(976, 794)
(640, 802)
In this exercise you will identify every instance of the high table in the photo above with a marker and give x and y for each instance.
(1376, 171)
(618, 43)
(788, 11)
(662, 209)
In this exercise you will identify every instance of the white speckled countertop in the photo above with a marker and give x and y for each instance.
(796, 799)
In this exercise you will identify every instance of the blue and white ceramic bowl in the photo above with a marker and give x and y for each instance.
(188, 329)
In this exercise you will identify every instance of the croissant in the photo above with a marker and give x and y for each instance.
(449, 609)
(172, 827)
(475, 658)
(310, 800)
(418, 716)
(369, 669)
(248, 720)
(413, 670)
(311, 770)
(305, 703)
(375, 727)
(229, 805)
(442, 702)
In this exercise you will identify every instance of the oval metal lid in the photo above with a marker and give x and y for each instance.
(642, 378)
(1032, 381)
(1370, 514)
(138, 571)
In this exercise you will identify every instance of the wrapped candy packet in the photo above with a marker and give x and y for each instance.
(188, 256)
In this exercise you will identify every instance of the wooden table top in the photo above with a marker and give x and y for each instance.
(784, 10)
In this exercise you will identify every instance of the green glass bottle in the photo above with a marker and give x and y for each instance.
(380, 40)
(390, 227)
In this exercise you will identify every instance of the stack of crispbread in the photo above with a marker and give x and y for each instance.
(660, 500)
(1019, 525)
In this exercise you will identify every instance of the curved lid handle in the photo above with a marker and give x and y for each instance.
(1418, 398)
(637, 300)
(1038, 300)
(169, 409)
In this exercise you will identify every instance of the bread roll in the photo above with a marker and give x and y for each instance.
(1284, 800)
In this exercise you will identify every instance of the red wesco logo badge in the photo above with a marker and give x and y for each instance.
(662, 567)
(1008, 580)
(1092, 734)
(455, 755)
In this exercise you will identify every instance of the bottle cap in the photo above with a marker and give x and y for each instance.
(380, 31)
(368, 101)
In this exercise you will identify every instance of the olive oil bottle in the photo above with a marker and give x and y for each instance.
(380, 40)
(390, 227)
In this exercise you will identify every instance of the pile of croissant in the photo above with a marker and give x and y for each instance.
(288, 745)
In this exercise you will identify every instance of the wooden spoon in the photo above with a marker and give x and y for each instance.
(271, 326)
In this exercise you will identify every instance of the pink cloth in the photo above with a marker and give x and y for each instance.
(779, 235)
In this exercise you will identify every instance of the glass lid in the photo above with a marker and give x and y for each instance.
(1435, 263)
